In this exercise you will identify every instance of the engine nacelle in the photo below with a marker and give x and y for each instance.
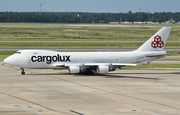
(74, 69)
(103, 69)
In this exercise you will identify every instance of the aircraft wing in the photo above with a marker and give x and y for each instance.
(92, 64)
(108, 64)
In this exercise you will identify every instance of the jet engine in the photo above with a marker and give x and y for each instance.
(74, 69)
(103, 69)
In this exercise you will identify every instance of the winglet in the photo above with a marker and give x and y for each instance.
(157, 41)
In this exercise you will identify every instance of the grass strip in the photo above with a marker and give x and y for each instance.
(45, 33)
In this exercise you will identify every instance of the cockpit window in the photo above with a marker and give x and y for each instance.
(18, 53)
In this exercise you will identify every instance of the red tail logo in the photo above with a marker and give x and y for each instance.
(157, 42)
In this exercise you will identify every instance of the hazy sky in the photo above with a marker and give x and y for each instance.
(97, 6)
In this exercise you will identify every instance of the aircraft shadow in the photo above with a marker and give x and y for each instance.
(48, 74)
(119, 76)
(86, 75)
(108, 75)
(143, 73)
(112, 75)
(99, 74)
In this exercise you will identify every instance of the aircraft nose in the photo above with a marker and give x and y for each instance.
(9, 60)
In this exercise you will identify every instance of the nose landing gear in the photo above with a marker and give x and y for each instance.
(23, 73)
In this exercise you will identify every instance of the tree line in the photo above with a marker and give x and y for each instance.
(80, 17)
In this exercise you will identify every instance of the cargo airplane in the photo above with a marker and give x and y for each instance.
(90, 62)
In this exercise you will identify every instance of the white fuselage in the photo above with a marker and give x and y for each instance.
(46, 59)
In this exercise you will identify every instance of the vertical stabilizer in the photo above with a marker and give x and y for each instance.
(157, 41)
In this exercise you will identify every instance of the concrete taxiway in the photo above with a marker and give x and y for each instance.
(126, 92)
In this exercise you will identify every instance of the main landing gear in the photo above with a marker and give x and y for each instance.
(23, 73)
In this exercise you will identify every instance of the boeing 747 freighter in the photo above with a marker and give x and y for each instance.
(90, 62)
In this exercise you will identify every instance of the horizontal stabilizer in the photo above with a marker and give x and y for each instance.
(155, 55)
(123, 64)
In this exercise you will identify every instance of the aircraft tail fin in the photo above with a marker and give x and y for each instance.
(157, 41)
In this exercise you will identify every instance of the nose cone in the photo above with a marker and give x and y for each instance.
(10, 60)
(7, 60)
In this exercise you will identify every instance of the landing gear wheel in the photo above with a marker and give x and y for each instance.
(23, 73)
(91, 72)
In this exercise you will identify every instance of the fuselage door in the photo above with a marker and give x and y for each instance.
(29, 61)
